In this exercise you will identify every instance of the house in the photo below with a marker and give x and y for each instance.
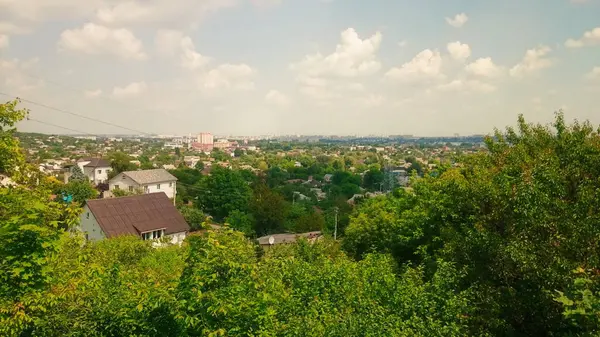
(278, 239)
(147, 181)
(327, 178)
(96, 169)
(147, 216)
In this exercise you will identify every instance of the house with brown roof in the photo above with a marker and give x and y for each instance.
(147, 181)
(147, 216)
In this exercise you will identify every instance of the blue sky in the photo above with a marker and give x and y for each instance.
(251, 67)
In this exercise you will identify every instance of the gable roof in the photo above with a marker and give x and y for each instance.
(137, 214)
(150, 176)
(95, 162)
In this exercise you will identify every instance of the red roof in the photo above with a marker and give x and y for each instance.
(137, 214)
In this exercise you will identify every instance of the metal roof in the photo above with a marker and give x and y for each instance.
(137, 214)
(150, 176)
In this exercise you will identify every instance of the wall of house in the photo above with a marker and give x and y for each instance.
(89, 225)
(164, 187)
(123, 181)
(102, 176)
(176, 238)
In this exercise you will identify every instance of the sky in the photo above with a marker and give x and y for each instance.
(328, 67)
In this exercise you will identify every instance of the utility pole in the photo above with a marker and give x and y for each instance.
(336, 220)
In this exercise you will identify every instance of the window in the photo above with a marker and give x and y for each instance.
(130, 188)
(87, 237)
(146, 189)
(158, 186)
(157, 234)
(170, 184)
(116, 187)
(87, 216)
(99, 171)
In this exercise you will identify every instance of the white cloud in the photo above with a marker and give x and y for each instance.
(534, 60)
(228, 76)
(4, 41)
(14, 75)
(402, 43)
(352, 57)
(172, 42)
(10, 28)
(589, 38)
(277, 98)
(39, 11)
(458, 21)
(93, 93)
(132, 89)
(593, 74)
(484, 67)
(467, 86)
(94, 39)
(459, 51)
(426, 65)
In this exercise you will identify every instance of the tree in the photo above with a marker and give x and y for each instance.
(517, 219)
(373, 179)
(269, 210)
(242, 222)
(238, 152)
(220, 193)
(77, 174)
(193, 216)
(126, 193)
(10, 155)
(262, 165)
(199, 165)
(79, 190)
(121, 162)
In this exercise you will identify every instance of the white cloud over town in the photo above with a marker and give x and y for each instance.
(246, 66)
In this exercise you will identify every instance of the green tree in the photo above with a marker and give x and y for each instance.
(199, 165)
(121, 162)
(80, 190)
(269, 210)
(221, 192)
(10, 154)
(77, 174)
(193, 216)
(242, 222)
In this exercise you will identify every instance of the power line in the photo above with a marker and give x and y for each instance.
(73, 114)
(80, 90)
(58, 126)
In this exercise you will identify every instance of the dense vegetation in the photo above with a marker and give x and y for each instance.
(505, 244)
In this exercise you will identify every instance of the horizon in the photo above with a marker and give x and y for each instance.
(256, 67)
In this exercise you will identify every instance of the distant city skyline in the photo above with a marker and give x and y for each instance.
(257, 67)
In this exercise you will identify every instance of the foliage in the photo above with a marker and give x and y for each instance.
(193, 216)
(121, 162)
(10, 154)
(241, 222)
(80, 190)
(221, 192)
(269, 210)
(518, 218)
(118, 192)
(77, 174)
(581, 301)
